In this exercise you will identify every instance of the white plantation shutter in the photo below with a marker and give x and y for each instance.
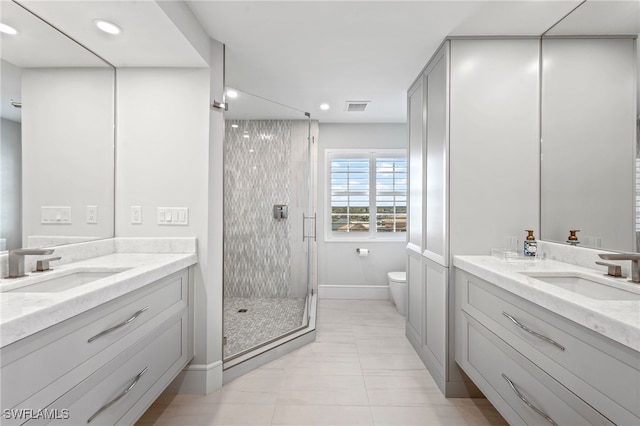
(350, 194)
(391, 194)
(367, 193)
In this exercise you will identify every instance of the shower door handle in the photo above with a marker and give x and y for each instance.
(304, 234)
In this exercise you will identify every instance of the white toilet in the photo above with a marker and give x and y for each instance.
(398, 290)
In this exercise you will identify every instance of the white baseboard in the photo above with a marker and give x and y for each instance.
(198, 379)
(377, 292)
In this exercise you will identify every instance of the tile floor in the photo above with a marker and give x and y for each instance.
(360, 371)
(264, 319)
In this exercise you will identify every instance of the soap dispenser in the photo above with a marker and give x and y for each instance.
(573, 238)
(530, 244)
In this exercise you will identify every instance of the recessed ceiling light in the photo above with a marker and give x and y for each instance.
(234, 126)
(107, 27)
(324, 107)
(232, 93)
(7, 29)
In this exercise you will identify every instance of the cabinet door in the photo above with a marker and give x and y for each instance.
(415, 306)
(416, 112)
(524, 393)
(39, 368)
(109, 393)
(435, 314)
(436, 154)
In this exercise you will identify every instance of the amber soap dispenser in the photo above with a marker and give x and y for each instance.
(530, 244)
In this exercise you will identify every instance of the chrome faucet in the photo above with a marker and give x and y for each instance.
(16, 260)
(633, 257)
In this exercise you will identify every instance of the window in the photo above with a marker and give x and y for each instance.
(357, 211)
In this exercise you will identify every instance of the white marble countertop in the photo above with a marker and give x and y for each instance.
(24, 313)
(618, 320)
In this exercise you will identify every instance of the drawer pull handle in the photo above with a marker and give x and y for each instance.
(117, 398)
(538, 335)
(530, 405)
(115, 327)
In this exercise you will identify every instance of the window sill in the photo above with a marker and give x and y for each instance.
(365, 240)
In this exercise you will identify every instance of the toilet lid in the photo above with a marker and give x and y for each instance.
(398, 276)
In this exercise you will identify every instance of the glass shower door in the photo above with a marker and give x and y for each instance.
(267, 250)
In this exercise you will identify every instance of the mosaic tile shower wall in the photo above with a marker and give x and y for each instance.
(257, 253)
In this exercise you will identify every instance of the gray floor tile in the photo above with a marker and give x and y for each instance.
(360, 371)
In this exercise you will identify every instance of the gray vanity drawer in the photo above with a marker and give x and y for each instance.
(164, 352)
(501, 367)
(41, 367)
(596, 369)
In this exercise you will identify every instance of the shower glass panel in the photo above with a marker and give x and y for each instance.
(266, 233)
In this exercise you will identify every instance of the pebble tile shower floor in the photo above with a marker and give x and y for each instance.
(361, 370)
(251, 321)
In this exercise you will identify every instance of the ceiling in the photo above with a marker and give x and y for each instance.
(303, 53)
(150, 38)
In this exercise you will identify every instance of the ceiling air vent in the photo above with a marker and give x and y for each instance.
(357, 106)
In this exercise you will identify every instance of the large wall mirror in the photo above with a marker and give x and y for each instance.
(57, 145)
(589, 165)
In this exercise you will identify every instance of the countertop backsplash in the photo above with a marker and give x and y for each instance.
(87, 250)
(581, 256)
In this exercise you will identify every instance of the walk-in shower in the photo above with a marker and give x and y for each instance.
(268, 224)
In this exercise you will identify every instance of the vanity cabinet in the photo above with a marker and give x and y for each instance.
(79, 369)
(473, 159)
(537, 367)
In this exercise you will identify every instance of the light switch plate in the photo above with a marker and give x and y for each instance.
(55, 215)
(173, 216)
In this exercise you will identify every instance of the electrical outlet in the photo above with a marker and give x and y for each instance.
(136, 215)
(92, 214)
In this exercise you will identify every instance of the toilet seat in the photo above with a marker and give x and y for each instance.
(400, 277)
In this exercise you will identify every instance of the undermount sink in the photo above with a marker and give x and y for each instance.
(589, 286)
(66, 281)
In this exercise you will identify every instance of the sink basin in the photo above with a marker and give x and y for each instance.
(589, 286)
(67, 281)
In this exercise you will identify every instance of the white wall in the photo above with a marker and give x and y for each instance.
(210, 316)
(341, 272)
(67, 148)
(162, 148)
(494, 149)
(10, 184)
(163, 161)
